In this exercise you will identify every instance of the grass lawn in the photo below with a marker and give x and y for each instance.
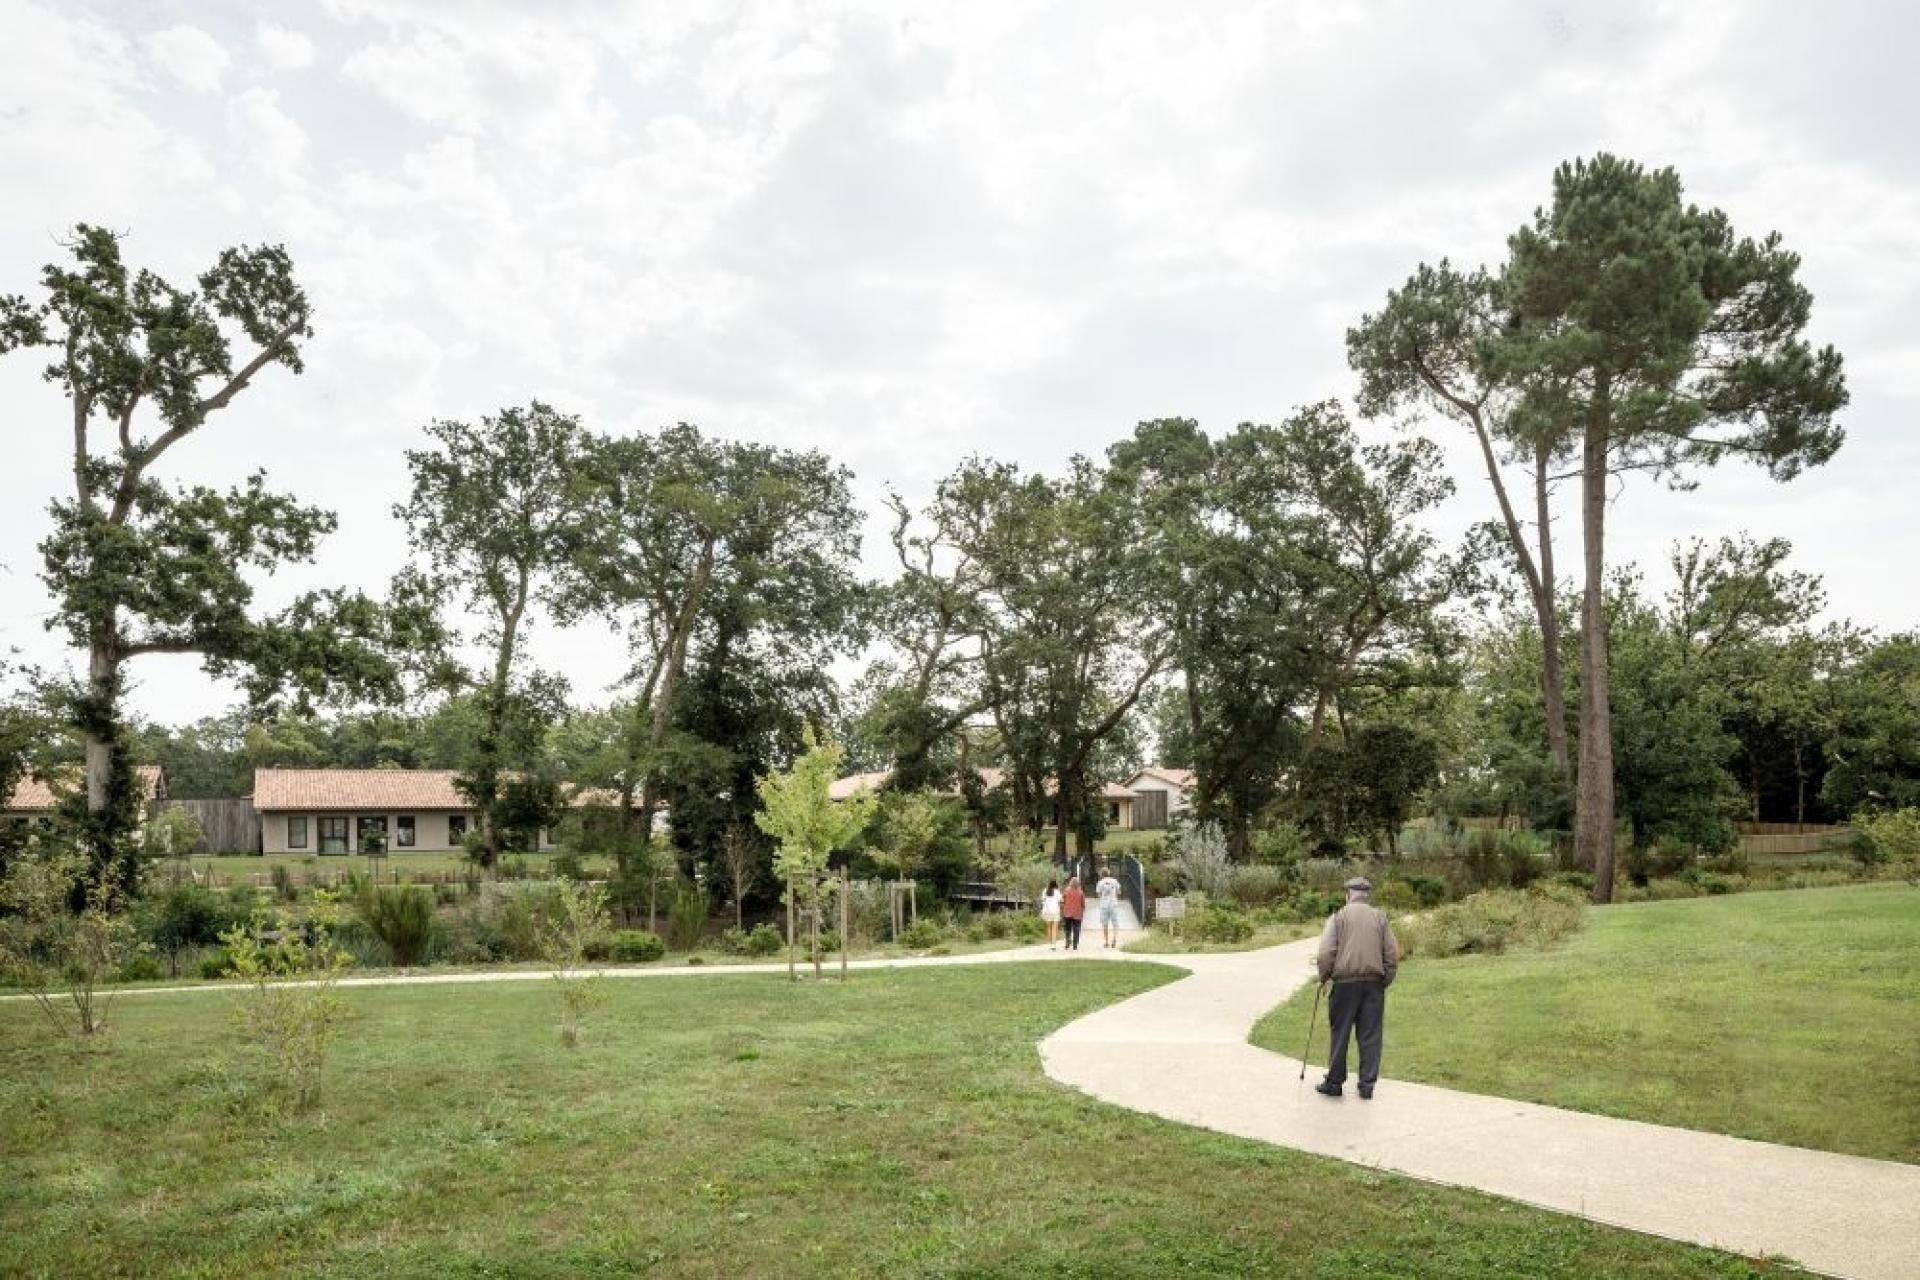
(898, 1125)
(1791, 1016)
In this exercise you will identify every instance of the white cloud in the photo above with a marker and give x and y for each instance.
(901, 232)
(191, 56)
(283, 48)
(266, 137)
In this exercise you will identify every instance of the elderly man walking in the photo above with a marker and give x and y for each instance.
(1359, 956)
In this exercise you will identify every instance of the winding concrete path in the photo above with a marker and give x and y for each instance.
(1180, 1051)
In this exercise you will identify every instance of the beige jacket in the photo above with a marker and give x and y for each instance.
(1358, 943)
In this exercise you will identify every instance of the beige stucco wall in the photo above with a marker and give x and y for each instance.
(430, 830)
(1176, 798)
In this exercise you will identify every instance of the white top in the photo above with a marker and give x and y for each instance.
(1108, 891)
(1050, 905)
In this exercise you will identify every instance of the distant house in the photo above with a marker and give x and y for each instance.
(1119, 799)
(338, 811)
(36, 796)
(1164, 794)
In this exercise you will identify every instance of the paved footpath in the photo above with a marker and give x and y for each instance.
(1180, 1051)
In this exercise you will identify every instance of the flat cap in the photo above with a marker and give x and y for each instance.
(1361, 883)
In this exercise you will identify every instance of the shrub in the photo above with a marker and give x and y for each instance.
(1029, 928)
(58, 957)
(1395, 896)
(1581, 880)
(183, 917)
(141, 966)
(1283, 844)
(1495, 920)
(1428, 891)
(829, 941)
(764, 940)
(293, 1023)
(687, 918)
(401, 916)
(997, 925)
(1668, 888)
(1029, 878)
(1889, 837)
(1259, 886)
(1219, 922)
(634, 946)
(732, 941)
(576, 916)
(283, 886)
(1666, 859)
(1200, 854)
(1503, 859)
(1324, 875)
(925, 933)
(566, 866)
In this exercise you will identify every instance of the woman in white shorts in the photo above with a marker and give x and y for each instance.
(1050, 912)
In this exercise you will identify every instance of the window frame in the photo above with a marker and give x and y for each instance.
(455, 839)
(325, 828)
(362, 822)
(406, 831)
(300, 841)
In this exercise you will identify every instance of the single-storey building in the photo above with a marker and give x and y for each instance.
(37, 795)
(1165, 794)
(395, 811)
(1119, 799)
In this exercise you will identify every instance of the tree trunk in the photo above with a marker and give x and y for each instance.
(1552, 691)
(792, 973)
(1593, 812)
(675, 667)
(103, 670)
(1800, 783)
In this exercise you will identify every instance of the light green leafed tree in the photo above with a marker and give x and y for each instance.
(808, 825)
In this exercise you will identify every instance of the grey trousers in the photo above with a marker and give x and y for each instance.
(1357, 1008)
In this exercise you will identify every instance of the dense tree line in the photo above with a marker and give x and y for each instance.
(1264, 605)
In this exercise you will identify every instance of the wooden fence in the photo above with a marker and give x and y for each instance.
(230, 826)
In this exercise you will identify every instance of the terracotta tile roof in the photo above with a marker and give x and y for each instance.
(277, 789)
(851, 785)
(43, 792)
(383, 789)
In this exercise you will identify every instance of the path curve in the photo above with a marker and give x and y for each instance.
(1180, 1051)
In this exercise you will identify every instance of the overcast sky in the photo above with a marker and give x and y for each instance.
(903, 234)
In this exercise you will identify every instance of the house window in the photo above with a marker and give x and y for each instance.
(403, 831)
(297, 832)
(456, 829)
(333, 835)
(373, 833)
(1113, 815)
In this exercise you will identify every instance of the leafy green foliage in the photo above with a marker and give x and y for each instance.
(289, 1008)
(401, 916)
(577, 917)
(61, 957)
(136, 567)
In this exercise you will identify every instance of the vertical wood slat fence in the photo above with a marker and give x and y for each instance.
(230, 826)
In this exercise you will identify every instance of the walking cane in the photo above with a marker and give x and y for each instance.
(1311, 1018)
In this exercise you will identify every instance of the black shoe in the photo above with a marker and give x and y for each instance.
(1327, 1087)
(1366, 1091)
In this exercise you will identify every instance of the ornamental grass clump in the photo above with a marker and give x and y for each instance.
(401, 916)
(1495, 920)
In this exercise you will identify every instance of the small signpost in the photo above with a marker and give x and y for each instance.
(1171, 910)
